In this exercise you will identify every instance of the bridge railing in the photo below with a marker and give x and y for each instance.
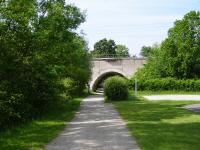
(109, 56)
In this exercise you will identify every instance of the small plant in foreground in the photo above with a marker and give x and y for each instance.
(116, 88)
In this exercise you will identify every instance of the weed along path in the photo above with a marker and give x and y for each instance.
(97, 126)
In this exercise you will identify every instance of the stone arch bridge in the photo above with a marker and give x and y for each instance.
(103, 68)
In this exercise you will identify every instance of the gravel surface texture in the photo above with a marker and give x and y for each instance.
(194, 107)
(97, 126)
(173, 97)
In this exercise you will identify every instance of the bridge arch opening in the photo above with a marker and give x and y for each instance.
(98, 83)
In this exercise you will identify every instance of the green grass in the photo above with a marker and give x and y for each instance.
(36, 134)
(161, 125)
(167, 92)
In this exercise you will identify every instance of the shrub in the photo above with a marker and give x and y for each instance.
(69, 88)
(116, 88)
(167, 84)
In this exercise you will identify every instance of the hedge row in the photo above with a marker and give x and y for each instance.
(167, 84)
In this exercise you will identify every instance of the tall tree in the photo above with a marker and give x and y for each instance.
(181, 49)
(178, 55)
(146, 51)
(105, 47)
(39, 49)
(122, 51)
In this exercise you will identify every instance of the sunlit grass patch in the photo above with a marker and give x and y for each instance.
(161, 125)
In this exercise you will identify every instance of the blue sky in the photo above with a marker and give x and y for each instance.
(133, 23)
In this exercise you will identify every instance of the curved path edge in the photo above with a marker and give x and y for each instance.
(173, 97)
(97, 126)
(193, 107)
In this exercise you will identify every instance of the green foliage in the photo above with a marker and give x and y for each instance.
(162, 125)
(122, 51)
(105, 47)
(69, 86)
(146, 51)
(181, 49)
(179, 55)
(108, 48)
(115, 88)
(39, 50)
(162, 84)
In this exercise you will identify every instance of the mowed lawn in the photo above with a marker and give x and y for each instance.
(161, 125)
(36, 134)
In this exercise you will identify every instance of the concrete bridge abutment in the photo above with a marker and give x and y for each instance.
(103, 67)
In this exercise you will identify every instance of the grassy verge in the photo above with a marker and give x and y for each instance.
(167, 92)
(36, 134)
(161, 125)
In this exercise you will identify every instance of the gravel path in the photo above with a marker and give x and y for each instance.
(97, 126)
(194, 107)
(173, 97)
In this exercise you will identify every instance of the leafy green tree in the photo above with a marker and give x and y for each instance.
(108, 48)
(146, 51)
(104, 47)
(17, 20)
(39, 49)
(122, 50)
(182, 47)
(179, 55)
(153, 68)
